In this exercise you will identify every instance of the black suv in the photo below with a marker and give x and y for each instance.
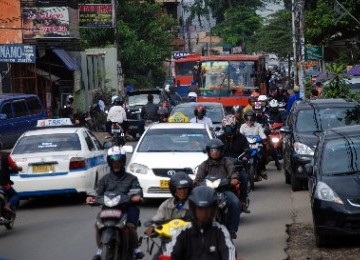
(304, 124)
(135, 101)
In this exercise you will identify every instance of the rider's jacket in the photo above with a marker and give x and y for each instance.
(210, 243)
(117, 114)
(256, 129)
(234, 145)
(119, 183)
(223, 168)
(171, 209)
(149, 111)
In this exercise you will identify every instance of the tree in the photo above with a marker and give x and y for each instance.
(144, 41)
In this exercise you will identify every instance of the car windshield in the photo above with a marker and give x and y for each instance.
(47, 143)
(215, 113)
(174, 140)
(141, 99)
(341, 156)
(320, 119)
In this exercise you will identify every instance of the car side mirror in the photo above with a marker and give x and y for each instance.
(285, 130)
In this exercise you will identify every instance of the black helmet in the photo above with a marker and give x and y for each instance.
(116, 153)
(252, 99)
(180, 180)
(214, 144)
(118, 101)
(250, 115)
(203, 197)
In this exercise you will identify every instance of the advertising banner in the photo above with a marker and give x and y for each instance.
(17, 53)
(10, 22)
(95, 15)
(45, 22)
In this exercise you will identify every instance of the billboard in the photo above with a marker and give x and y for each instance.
(17, 53)
(95, 15)
(45, 22)
(10, 22)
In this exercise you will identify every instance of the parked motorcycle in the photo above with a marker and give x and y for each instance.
(7, 218)
(164, 230)
(111, 222)
(256, 154)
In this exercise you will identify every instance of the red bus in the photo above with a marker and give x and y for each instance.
(183, 70)
(230, 79)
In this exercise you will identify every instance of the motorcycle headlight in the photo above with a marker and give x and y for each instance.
(303, 149)
(275, 139)
(251, 140)
(138, 168)
(324, 192)
(111, 202)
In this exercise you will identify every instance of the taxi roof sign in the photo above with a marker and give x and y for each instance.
(54, 122)
(178, 117)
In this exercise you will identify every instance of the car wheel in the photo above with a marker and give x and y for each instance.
(322, 240)
(287, 177)
(295, 183)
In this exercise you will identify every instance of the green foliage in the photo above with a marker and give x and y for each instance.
(102, 93)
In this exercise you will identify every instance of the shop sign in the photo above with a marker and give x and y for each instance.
(96, 15)
(17, 53)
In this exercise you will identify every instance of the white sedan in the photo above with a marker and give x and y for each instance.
(164, 149)
(57, 158)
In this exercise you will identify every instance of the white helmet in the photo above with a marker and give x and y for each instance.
(192, 94)
(262, 98)
(273, 103)
(69, 98)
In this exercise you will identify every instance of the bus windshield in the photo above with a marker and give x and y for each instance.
(224, 78)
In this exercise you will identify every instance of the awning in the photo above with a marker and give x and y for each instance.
(69, 62)
(45, 74)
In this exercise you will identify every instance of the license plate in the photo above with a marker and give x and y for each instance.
(110, 213)
(133, 127)
(164, 184)
(116, 130)
(49, 168)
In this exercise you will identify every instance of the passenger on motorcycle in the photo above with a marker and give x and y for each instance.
(149, 111)
(234, 145)
(12, 197)
(237, 111)
(251, 127)
(273, 114)
(250, 105)
(116, 114)
(204, 238)
(119, 181)
(177, 206)
(217, 165)
(162, 115)
(200, 116)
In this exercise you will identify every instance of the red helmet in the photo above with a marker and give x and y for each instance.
(199, 109)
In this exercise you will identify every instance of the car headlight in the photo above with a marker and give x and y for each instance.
(138, 168)
(303, 149)
(324, 192)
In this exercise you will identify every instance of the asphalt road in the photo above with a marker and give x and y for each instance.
(63, 228)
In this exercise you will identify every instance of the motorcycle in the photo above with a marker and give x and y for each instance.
(7, 218)
(111, 222)
(118, 136)
(275, 139)
(164, 230)
(256, 154)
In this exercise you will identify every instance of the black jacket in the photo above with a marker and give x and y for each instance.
(210, 243)
(149, 112)
(119, 183)
(234, 145)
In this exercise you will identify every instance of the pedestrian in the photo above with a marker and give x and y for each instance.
(293, 98)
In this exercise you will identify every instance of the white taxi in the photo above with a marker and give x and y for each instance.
(163, 150)
(57, 158)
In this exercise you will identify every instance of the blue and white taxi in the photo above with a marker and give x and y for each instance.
(57, 158)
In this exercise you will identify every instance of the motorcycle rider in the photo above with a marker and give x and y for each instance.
(149, 111)
(237, 111)
(250, 105)
(204, 237)
(234, 145)
(116, 114)
(7, 166)
(162, 115)
(219, 166)
(274, 117)
(192, 96)
(251, 127)
(176, 207)
(119, 181)
(200, 116)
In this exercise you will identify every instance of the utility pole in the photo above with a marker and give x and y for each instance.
(299, 44)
